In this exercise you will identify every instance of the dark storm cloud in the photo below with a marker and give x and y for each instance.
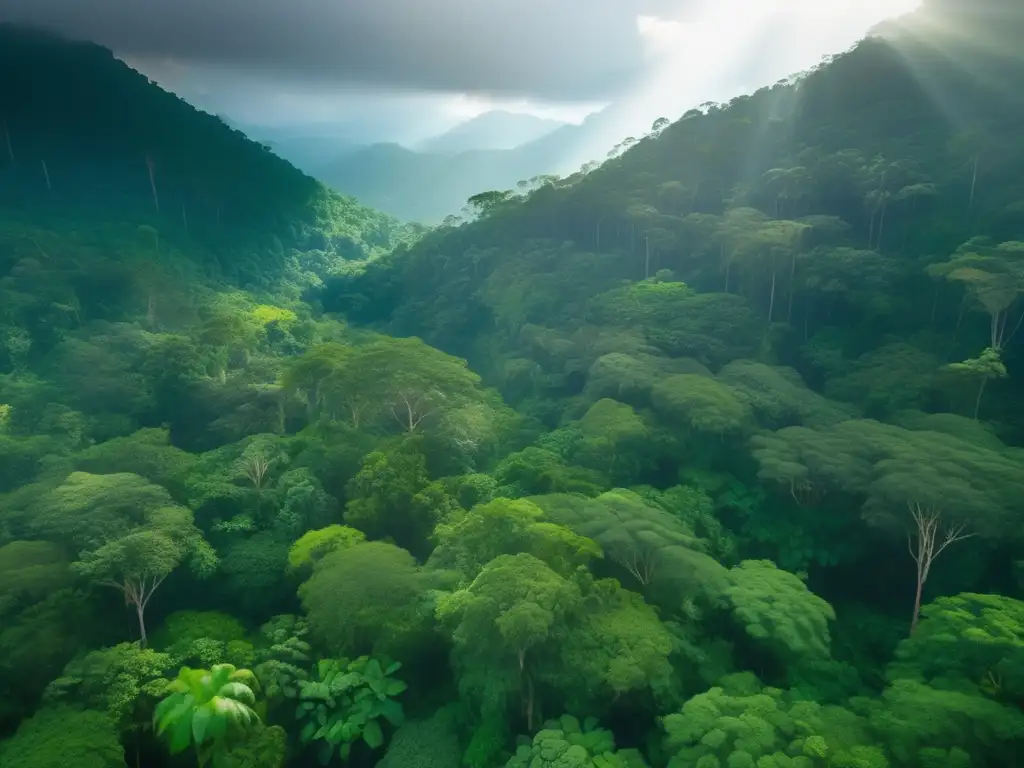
(556, 49)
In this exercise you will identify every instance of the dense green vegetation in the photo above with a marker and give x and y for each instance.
(733, 476)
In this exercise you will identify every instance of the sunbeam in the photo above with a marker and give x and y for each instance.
(723, 49)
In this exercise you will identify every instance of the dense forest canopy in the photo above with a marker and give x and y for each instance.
(710, 456)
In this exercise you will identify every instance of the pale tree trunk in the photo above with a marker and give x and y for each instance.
(974, 180)
(792, 290)
(771, 302)
(881, 226)
(152, 183)
(46, 175)
(981, 393)
(137, 593)
(647, 257)
(931, 541)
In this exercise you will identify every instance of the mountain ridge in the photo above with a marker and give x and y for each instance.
(496, 129)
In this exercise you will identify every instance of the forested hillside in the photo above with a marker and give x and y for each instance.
(733, 477)
(83, 136)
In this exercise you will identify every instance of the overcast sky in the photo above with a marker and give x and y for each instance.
(412, 63)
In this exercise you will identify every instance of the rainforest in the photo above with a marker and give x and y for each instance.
(709, 455)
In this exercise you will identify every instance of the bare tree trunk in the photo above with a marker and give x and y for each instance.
(46, 175)
(771, 302)
(881, 226)
(792, 290)
(152, 183)
(974, 180)
(647, 257)
(140, 610)
(960, 316)
(928, 523)
(981, 393)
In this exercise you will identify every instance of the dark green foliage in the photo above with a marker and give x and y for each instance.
(63, 736)
(344, 701)
(264, 747)
(429, 743)
(365, 598)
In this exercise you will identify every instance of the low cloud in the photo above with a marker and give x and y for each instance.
(562, 50)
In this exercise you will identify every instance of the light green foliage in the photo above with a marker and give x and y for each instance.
(779, 397)
(564, 743)
(183, 627)
(344, 701)
(203, 637)
(236, 479)
(86, 511)
(967, 638)
(147, 453)
(895, 469)
(711, 327)
(64, 736)
(776, 609)
(919, 722)
(615, 440)
(388, 381)
(365, 598)
(312, 546)
(740, 724)
(129, 534)
(123, 682)
(432, 742)
(630, 378)
(468, 540)
(994, 277)
(206, 710)
(979, 371)
(966, 429)
(615, 646)
(702, 404)
(696, 509)
(654, 548)
(500, 624)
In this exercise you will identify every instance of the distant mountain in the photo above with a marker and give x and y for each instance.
(308, 147)
(428, 186)
(497, 129)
